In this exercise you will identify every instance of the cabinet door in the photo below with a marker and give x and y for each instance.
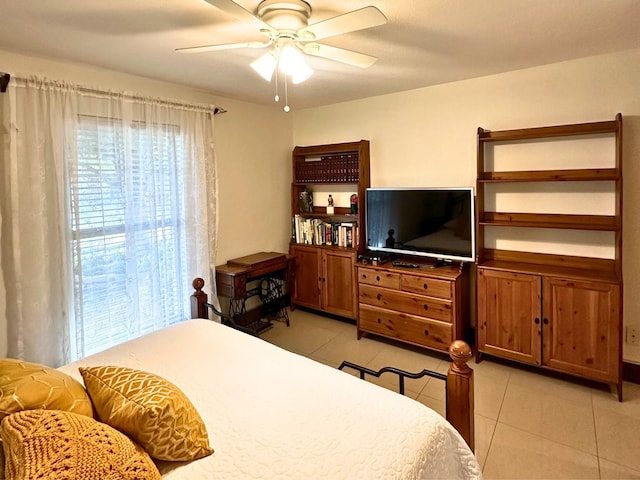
(307, 277)
(338, 283)
(581, 328)
(508, 316)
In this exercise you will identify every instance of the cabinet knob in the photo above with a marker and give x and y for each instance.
(537, 321)
(425, 286)
(545, 321)
(426, 307)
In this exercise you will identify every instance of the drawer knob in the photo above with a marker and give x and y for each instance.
(377, 278)
(379, 296)
(425, 286)
(379, 321)
(426, 307)
(426, 332)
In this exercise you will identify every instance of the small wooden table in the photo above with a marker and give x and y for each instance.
(270, 269)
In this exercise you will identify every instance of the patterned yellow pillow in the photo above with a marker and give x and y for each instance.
(54, 445)
(149, 409)
(28, 386)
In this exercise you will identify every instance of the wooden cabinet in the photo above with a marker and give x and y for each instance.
(508, 315)
(325, 240)
(558, 311)
(560, 323)
(325, 280)
(580, 331)
(425, 306)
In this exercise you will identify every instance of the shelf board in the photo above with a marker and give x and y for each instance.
(551, 270)
(549, 264)
(348, 147)
(576, 175)
(593, 128)
(331, 217)
(550, 220)
(324, 246)
(326, 182)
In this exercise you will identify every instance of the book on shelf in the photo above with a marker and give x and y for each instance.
(316, 231)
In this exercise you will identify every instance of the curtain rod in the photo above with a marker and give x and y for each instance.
(217, 110)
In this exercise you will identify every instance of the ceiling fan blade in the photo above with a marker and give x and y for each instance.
(366, 17)
(224, 46)
(339, 54)
(232, 8)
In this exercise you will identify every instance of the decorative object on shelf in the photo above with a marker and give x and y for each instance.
(354, 203)
(330, 208)
(306, 201)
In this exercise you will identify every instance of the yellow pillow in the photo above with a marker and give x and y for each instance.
(54, 445)
(149, 409)
(28, 386)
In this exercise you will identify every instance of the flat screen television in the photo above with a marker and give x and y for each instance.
(429, 222)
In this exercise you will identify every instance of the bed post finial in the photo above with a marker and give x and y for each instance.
(460, 406)
(199, 300)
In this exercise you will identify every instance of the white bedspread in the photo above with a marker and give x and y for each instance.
(271, 414)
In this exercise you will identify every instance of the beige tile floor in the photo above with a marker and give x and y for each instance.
(528, 424)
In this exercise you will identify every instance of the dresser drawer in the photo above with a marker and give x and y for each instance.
(370, 276)
(405, 302)
(409, 328)
(434, 287)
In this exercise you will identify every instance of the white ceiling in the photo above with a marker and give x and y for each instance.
(425, 42)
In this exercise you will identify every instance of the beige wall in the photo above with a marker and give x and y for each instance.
(421, 137)
(253, 145)
(427, 137)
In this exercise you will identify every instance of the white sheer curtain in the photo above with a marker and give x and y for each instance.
(108, 212)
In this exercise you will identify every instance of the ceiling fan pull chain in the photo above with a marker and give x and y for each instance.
(286, 95)
(277, 97)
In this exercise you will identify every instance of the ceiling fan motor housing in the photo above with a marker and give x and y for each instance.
(290, 15)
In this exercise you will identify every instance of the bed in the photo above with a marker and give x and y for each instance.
(272, 414)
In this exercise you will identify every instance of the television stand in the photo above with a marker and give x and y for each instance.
(422, 306)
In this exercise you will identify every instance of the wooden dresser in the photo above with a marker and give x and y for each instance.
(424, 306)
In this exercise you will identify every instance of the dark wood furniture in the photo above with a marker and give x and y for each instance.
(325, 274)
(325, 280)
(425, 306)
(559, 312)
(459, 378)
(264, 267)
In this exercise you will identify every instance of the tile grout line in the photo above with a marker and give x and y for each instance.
(496, 425)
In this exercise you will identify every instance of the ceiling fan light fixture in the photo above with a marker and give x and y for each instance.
(290, 59)
(292, 63)
(265, 65)
(302, 73)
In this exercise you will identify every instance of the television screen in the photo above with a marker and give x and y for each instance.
(431, 222)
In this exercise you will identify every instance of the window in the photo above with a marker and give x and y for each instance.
(128, 231)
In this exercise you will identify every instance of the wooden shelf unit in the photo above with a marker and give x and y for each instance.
(325, 274)
(532, 307)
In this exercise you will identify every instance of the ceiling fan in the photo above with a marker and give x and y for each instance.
(285, 23)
